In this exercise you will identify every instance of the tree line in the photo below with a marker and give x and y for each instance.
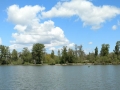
(38, 55)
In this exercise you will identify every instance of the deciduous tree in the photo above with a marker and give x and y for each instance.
(104, 50)
(37, 52)
(26, 55)
(14, 55)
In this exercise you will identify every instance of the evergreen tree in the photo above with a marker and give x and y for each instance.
(59, 54)
(52, 54)
(96, 52)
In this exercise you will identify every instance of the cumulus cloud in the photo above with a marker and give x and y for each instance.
(90, 14)
(114, 27)
(0, 41)
(20, 28)
(29, 30)
(20, 46)
(24, 15)
(90, 43)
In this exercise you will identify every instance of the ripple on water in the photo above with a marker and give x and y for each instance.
(97, 77)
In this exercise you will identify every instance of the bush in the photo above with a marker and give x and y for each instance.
(17, 62)
(52, 62)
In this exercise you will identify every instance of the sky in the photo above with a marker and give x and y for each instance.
(57, 23)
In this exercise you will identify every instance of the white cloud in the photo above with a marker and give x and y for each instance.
(20, 28)
(29, 30)
(71, 45)
(24, 15)
(114, 27)
(90, 14)
(20, 46)
(0, 41)
(90, 43)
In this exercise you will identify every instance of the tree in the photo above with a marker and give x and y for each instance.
(76, 56)
(44, 55)
(37, 52)
(96, 52)
(4, 54)
(80, 52)
(59, 54)
(64, 55)
(116, 51)
(26, 55)
(104, 50)
(52, 54)
(117, 48)
(91, 57)
(71, 55)
(14, 55)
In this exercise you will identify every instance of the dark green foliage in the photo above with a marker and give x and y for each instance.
(117, 49)
(14, 55)
(104, 50)
(4, 61)
(96, 52)
(59, 55)
(4, 54)
(64, 57)
(71, 56)
(91, 57)
(68, 56)
(26, 55)
(81, 53)
(38, 52)
(52, 54)
(76, 56)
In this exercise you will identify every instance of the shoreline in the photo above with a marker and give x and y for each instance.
(68, 64)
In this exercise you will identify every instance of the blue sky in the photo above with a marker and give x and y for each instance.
(58, 23)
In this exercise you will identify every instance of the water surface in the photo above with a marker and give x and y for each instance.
(95, 77)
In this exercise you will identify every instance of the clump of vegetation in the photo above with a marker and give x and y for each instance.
(64, 56)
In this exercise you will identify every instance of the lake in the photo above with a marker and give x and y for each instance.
(95, 77)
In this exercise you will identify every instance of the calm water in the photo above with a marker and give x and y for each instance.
(99, 77)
